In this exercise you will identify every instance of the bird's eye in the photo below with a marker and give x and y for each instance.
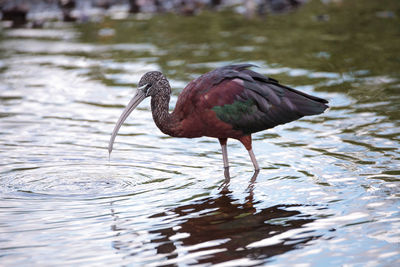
(145, 87)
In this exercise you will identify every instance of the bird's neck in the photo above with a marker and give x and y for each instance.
(164, 120)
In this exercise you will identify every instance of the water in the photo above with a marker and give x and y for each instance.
(327, 194)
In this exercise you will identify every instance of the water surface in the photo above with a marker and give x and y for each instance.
(327, 194)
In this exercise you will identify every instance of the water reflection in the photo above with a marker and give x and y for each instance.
(220, 229)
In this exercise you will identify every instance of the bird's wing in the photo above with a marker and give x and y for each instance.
(251, 102)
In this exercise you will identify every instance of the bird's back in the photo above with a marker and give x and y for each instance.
(242, 100)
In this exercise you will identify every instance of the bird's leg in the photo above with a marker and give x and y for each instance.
(253, 159)
(224, 186)
(246, 141)
(222, 141)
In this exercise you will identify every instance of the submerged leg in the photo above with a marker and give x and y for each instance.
(222, 141)
(246, 141)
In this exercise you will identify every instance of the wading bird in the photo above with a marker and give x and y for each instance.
(228, 102)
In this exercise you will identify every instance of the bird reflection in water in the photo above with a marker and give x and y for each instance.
(220, 229)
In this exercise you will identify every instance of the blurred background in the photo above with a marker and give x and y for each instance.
(328, 191)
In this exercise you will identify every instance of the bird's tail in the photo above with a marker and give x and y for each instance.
(304, 103)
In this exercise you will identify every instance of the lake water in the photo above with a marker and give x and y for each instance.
(328, 191)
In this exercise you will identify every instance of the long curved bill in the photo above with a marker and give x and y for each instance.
(140, 95)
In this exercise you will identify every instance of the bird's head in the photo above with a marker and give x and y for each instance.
(151, 84)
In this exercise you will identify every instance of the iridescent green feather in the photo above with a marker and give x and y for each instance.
(233, 113)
